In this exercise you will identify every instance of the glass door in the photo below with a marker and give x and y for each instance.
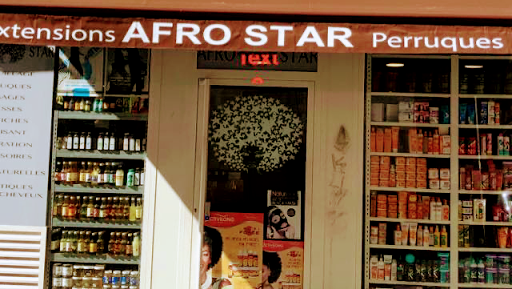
(254, 191)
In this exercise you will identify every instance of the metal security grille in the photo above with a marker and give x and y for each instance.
(22, 257)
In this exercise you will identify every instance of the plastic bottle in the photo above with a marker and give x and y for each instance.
(380, 266)
(120, 176)
(474, 271)
(400, 269)
(133, 210)
(433, 204)
(435, 145)
(394, 266)
(444, 237)
(136, 250)
(437, 237)
(481, 272)
(445, 211)
(419, 143)
(439, 208)
(426, 237)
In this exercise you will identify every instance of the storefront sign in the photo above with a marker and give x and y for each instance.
(251, 36)
(280, 61)
(26, 93)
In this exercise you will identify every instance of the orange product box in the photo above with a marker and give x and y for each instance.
(383, 183)
(400, 161)
(382, 206)
(410, 177)
(413, 198)
(392, 199)
(380, 140)
(374, 175)
(382, 213)
(385, 160)
(421, 184)
(419, 214)
(403, 196)
(411, 214)
(392, 183)
(374, 182)
(421, 161)
(410, 161)
(393, 208)
(410, 168)
(384, 175)
(421, 169)
(421, 177)
(410, 183)
(375, 160)
(382, 197)
(400, 168)
(387, 140)
(400, 176)
(400, 183)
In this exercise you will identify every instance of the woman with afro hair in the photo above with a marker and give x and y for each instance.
(271, 270)
(210, 255)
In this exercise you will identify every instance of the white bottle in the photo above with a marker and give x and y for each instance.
(433, 204)
(426, 237)
(393, 270)
(439, 210)
(380, 266)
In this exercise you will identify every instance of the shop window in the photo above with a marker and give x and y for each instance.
(254, 217)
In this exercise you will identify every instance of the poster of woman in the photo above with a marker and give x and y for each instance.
(127, 71)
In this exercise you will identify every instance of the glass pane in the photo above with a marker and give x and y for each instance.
(254, 218)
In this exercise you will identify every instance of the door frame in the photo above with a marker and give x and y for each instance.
(201, 168)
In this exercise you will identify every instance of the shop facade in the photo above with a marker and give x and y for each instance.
(354, 92)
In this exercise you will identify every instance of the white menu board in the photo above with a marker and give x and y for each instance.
(26, 93)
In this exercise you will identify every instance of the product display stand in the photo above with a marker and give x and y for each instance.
(473, 112)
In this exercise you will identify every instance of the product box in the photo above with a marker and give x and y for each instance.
(392, 112)
(242, 242)
(284, 215)
(377, 112)
(289, 258)
(479, 210)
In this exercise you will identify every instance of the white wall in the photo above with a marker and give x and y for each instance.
(170, 246)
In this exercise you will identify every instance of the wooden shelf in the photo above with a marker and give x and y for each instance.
(415, 190)
(420, 221)
(410, 124)
(417, 248)
(409, 155)
(409, 94)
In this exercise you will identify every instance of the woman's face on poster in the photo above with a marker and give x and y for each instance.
(206, 258)
(265, 272)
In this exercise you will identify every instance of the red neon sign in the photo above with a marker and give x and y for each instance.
(256, 59)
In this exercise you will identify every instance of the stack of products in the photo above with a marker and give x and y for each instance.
(489, 113)
(71, 207)
(418, 141)
(124, 244)
(109, 174)
(410, 206)
(488, 178)
(100, 104)
(413, 269)
(411, 234)
(410, 111)
(92, 276)
(406, 173)
(472, 210)
(103, 141)
(493, 269)
(470, 145)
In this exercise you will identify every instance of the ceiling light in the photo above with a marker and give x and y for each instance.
(392, 64)
(473, 66)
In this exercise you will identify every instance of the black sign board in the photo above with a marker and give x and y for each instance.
(278, 61)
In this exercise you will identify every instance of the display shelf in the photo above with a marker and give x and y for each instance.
(417, 248)
(405, 283)
(96, 224)
(409, 94)
(497, 250)
(409, 155)
(484, 192)
(470, 285)
(105, 259)
(493, 96)
(420, 221)
(484, 157)
(410, 124)
(95, 154)
(101, 116)
(99, 190)
(414, 190)
(485, 126)
(489, 223)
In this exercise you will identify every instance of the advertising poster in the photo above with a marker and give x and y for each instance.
(127, 71)
(241, 241)
(283, 215)
(283, 265)
(80, 71)
(26, 97)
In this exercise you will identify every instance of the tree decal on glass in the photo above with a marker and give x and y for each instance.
(255, 132)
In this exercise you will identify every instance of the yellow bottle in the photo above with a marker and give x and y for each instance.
(444, 237)
(133, 210)
(437, 237)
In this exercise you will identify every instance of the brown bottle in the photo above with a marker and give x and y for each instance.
(117, 245)
(103, 209)
(72, 208)
(129, 246)
(111, 243)
(126, 208)
(110, 209)
(124, 241)
(96, 210)
(101, 243)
